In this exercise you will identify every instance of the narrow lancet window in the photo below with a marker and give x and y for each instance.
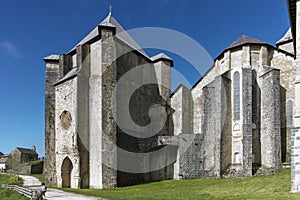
(236, 95)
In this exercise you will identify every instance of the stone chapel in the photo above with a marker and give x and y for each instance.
(236, 121)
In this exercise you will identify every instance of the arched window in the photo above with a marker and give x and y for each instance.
(237, 159)
(236, 95)
(289, 113)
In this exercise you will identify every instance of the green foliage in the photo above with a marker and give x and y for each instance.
(35, 162)
(271, 187)
(10, 179)
(11, 195)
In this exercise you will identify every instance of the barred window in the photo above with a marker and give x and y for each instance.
(236, 95)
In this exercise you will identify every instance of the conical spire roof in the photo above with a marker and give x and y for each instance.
(245, 40)
(121, 34)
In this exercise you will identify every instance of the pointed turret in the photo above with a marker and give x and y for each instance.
(245, 40)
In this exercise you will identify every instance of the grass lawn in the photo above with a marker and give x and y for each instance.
(10, 194)
(272, 187)
(10, 179)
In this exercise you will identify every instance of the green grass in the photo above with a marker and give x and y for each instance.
(10, 194)
(35, 162)
(41, 177)
(272, 187)
(10, 179)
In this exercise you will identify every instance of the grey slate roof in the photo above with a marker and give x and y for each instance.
(160, 56)
(72, 73)
(121, 34)
(245, 40)
(287, 37)
(107, 21)
(52, 57)
(26, 151)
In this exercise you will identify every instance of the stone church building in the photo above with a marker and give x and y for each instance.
(236, 121)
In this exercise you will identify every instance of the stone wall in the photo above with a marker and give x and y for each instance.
(52, 75)
(66, 133)
(28, 168)
(247, 121)
(141, 100)
(286, 65)
(209, 138)
(295, 157)
(109, 131)
(83, 126)
(190, 160)
(226, 123)
(270, 121)
(216, 147)
(182, 103)
(95, 118)
(176, 104)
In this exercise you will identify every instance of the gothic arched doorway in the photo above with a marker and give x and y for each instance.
(66, 170)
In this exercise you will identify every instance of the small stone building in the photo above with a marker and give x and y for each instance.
(22, 155)
(235, 121)
(19, 156)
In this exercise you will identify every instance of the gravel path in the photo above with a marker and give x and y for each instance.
(54, 194)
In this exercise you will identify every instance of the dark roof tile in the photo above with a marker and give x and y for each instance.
(245, 40)
(26, 151)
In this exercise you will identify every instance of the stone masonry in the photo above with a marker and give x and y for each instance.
(236, 121)
(294, 10)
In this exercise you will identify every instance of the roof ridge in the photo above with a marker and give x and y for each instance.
(245, 39)
(121, 34)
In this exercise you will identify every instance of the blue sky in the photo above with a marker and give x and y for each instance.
(33, 29)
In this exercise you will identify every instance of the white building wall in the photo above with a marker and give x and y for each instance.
(2, 166)
(66, 140)
(96, 117)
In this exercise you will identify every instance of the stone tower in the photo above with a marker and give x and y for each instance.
(52, 76)
(82, 134)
